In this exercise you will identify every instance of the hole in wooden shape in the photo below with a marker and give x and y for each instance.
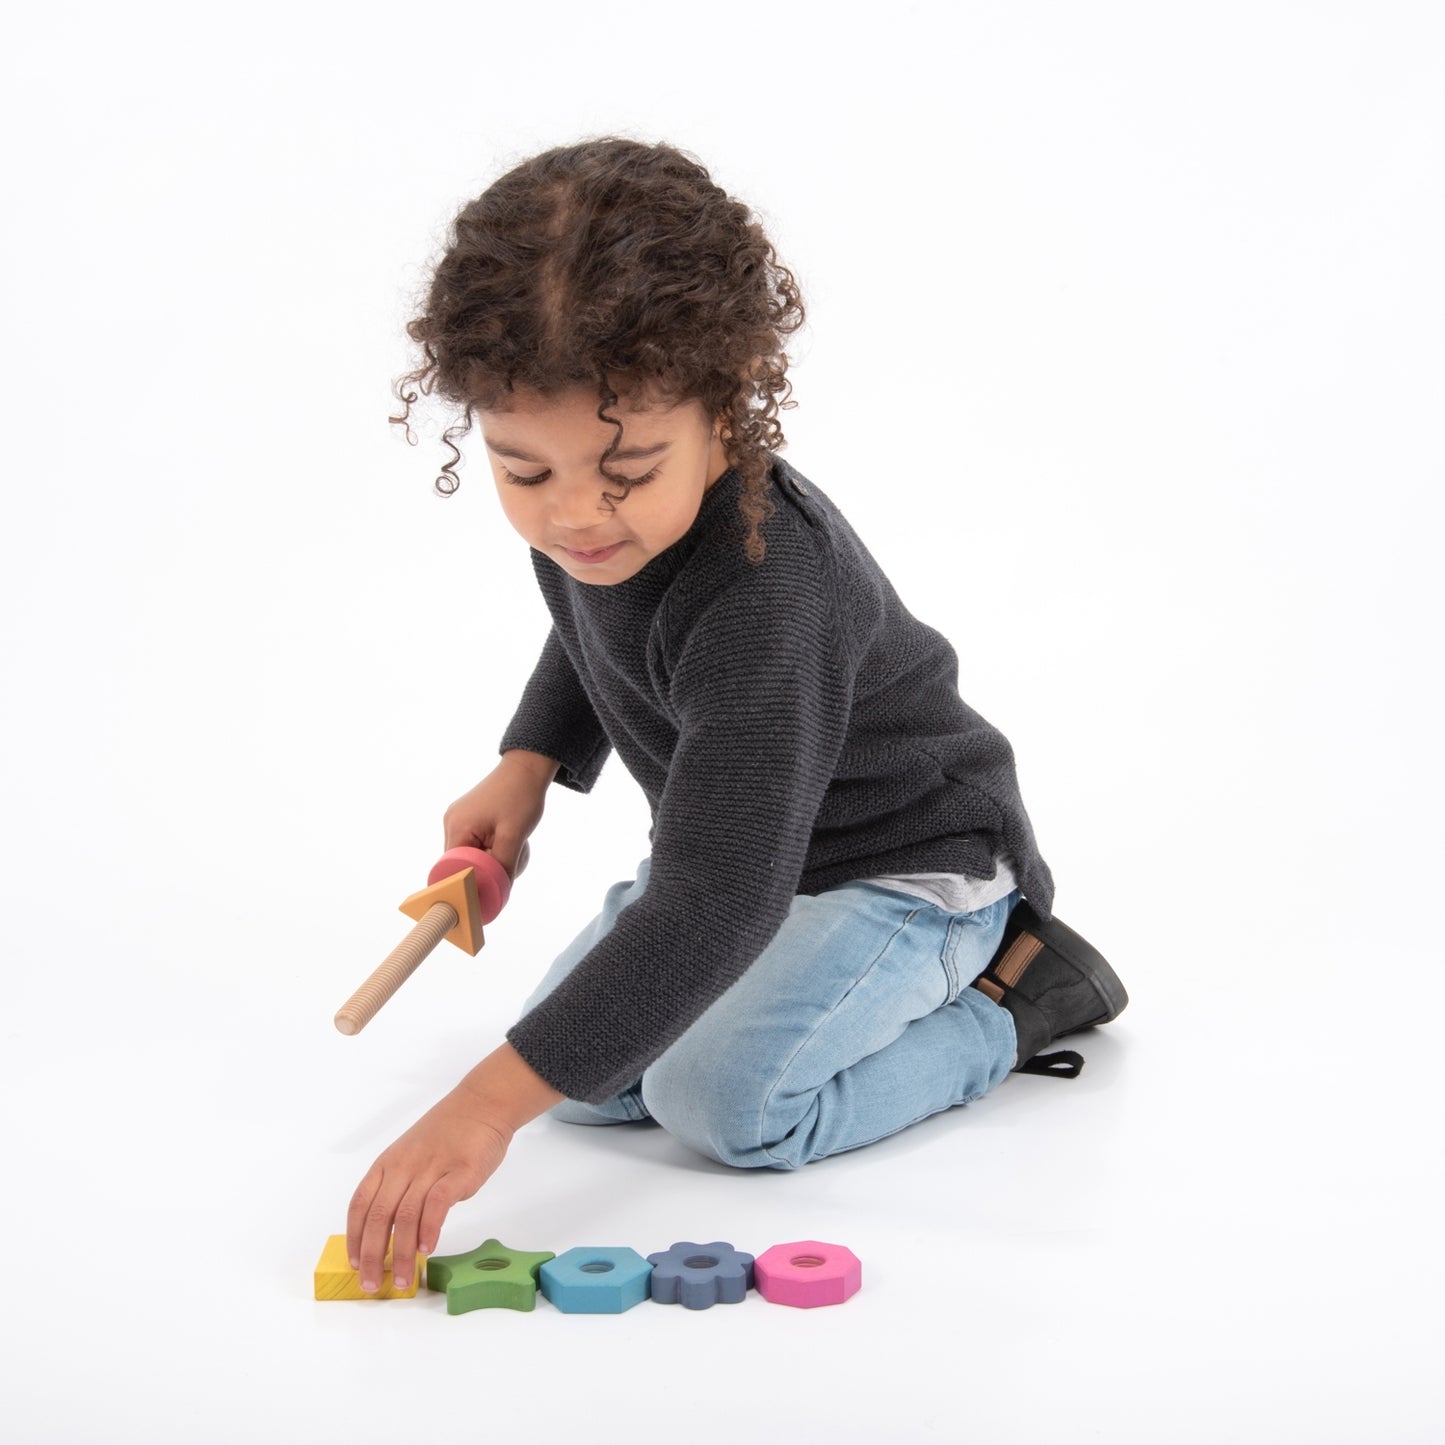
(493, 1263)
(701, 1261)
(596, 1266)
(806, 1261)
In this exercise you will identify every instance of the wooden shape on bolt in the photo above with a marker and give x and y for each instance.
(494, 886)
(459, 890)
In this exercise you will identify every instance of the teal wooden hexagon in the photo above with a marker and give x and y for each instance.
(488, 1277)
(596, 1281)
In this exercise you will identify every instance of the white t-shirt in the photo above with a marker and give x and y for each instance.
(954, 892)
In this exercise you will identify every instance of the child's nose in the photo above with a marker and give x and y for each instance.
(578, 504)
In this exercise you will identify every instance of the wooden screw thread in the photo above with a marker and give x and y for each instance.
(396, 968)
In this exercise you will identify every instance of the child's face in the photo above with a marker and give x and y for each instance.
(544, 452)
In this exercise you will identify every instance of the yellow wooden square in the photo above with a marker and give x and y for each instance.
(335, 1278)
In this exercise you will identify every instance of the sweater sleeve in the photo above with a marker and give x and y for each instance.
(556, 719)
(761, 687)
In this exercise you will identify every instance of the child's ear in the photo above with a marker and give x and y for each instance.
(720, 442)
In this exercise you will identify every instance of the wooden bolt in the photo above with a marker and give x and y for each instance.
(466, 887)
(396, 968)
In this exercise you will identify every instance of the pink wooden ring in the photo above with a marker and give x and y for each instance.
(808, 1273)
(494, 887)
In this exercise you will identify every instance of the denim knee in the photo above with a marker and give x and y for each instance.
(715, 1110)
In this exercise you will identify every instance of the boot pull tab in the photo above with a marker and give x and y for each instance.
(1064, 1064)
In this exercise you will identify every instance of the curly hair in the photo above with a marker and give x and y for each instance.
(621, 265)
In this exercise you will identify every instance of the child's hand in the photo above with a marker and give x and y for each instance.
(503, 809)
(445, 1157)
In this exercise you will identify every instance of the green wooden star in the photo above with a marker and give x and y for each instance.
(488, 1277)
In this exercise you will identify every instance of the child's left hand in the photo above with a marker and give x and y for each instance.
(445, 1157)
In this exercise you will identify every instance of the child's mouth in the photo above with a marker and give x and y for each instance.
(599, 554)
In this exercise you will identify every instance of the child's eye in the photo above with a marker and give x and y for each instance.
(517, 481)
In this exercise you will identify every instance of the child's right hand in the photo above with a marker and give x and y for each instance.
(445, 1157)
(503, 809)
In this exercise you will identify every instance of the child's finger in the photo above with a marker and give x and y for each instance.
(505, 846)
(439, 1200)
(356, 1214)
(404, 1235)
(466, 837)
(375, 1234)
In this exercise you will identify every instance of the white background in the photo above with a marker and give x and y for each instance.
(1125, 357)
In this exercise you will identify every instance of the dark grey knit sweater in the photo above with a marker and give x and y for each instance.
(793, 728)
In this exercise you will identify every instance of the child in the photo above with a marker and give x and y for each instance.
(839, 848)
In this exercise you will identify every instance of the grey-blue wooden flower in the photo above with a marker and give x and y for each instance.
(697, 1276)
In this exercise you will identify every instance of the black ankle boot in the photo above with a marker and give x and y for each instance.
(1053, 983)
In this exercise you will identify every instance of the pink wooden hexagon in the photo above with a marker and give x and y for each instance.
(808, 1273)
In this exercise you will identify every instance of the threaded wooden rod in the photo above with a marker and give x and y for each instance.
(396, 968)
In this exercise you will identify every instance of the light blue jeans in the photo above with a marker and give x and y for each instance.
(856, 1021)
